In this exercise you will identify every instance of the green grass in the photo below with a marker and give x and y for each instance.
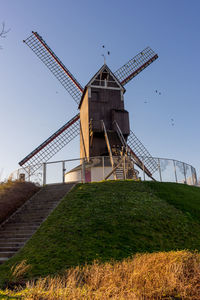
(111, 221)
(182, 196)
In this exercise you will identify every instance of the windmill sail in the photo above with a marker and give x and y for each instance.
(52, 145)
(142, 154)
(53, 63)
(134, 66)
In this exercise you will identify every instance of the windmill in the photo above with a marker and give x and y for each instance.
(103, 123)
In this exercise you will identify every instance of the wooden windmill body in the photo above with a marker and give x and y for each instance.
(102, 103)
(103, 122)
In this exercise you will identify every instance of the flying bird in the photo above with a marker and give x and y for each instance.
(156, 91)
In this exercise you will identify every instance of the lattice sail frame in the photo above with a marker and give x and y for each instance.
(142, 153)
(147, 164)
(52, 145)
(135, 65)
(53, 63)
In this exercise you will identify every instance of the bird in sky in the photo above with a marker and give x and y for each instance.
(104, 55)
(157, 92)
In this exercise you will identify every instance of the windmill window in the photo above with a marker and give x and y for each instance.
(104, 75)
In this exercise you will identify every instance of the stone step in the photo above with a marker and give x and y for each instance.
(33, 212)
(16, 233)
(16, 227)
(30, 220)
(12, 244)
(32, 217)
(25, 224)
(3, 259)
(21, 226)
(7, 254)
(4, 240)
(28, 216)
(19, 230)
(9, 249)
(23, 218)
(36, 207)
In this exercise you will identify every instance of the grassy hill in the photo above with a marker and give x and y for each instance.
(111, 221)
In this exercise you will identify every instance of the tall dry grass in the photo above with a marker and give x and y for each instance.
(172, 275)
(12, 195)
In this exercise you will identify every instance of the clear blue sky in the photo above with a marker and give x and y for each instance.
(33, 104)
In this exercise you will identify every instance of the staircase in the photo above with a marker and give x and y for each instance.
(19, 228)
(120, 173)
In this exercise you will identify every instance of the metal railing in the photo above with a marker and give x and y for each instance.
(98, 168)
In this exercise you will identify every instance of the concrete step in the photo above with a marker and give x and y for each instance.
(24, 223)
(17, 233)
(9, 249)
(21, 226)
(18, 226)
(12, 240)
(32, 214)
(7, 254)
(12, 244)
(26, 219)
(3, 259)
(20, 219)
(35, 210)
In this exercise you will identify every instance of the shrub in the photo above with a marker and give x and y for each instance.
(12, 195)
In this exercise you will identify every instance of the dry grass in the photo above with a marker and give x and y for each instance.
(18, 271)
(12, 195)
(163, 275)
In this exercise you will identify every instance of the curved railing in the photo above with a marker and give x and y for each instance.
(97, 168)
(172, 170)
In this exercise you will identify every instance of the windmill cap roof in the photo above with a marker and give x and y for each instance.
(88, 84)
